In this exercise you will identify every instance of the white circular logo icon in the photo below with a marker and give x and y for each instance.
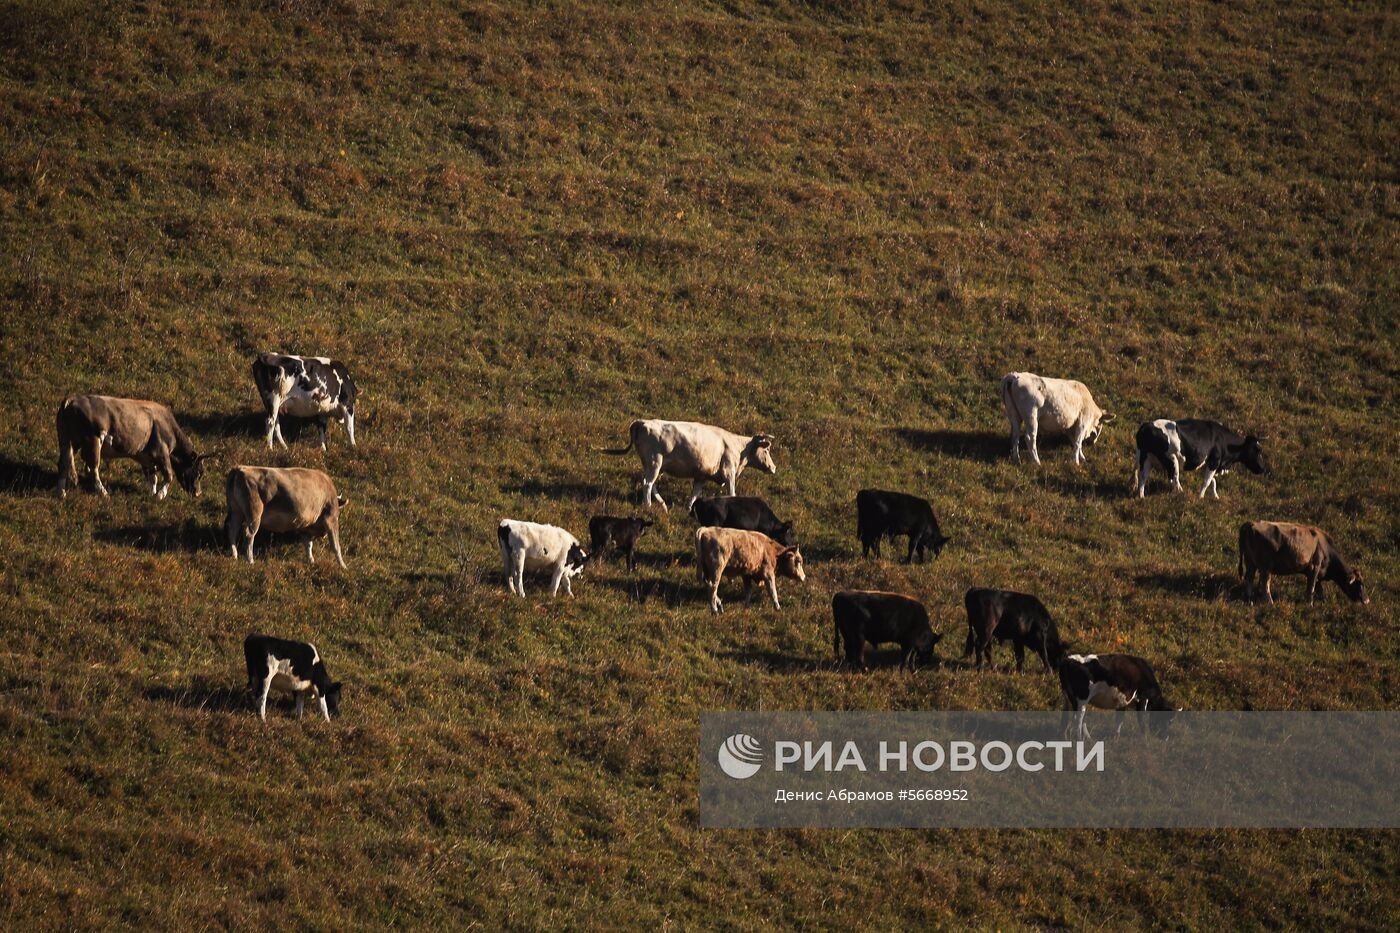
(740, 756)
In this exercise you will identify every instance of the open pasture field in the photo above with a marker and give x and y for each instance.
(523, 226)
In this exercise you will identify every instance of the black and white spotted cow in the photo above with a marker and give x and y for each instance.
(311, 387)
(1117, 682)
(1195, 443)
(292, 667)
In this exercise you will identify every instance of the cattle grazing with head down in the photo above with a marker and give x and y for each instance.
(750, 555)
(1058, 405)
(1271, 549)
(311, 387)
(292, 500)
(861, 616)
(1116, 682)
(1001, 616)
(292, 667)
(1194, 443)
(101, 426)
(881, 514)
(608, 533)
(700, 453)
(532, 546)
(747, 513)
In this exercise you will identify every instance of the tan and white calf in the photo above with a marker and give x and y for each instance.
(1057, 405)
(282, 499)
(102, 426)
(700, 453)
(751, 555)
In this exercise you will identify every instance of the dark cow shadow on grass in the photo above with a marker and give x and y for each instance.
(1207, 586)
(244, 425)
(969, 445)
(1082, 487)
(207, 695)
(25, 478)
(186, 537)
(563, 489)
(775, 662)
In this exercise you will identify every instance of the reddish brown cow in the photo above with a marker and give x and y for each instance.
(291, 499)
(752, 555)
(1281, 548)
(99, 425)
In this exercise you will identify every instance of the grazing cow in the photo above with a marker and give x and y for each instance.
(292, 667)
(99, 425)
(1197, 444)
(305, 387)
(1033, 402)
(610, 533)
(291, 499)
(530, 546)
(862, 616)
(1001, 616)
(747, 513)
(1280, 549)
(881, 514)
(1115, 682)
(752, 555)
(697, 452)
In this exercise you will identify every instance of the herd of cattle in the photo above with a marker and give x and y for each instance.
(737, 537)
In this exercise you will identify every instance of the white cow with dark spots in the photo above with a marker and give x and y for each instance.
(293, 667)
(532, 546)
(314, 387)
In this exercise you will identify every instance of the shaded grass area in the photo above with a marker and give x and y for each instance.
(525, 226)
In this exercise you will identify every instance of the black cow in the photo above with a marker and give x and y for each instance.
(1197, 444)
(861, 616)
(1001, 615)
(611, 533)
(292, 667)
(1115, 682)
(747, 513)
(881, 514)
(311, 387)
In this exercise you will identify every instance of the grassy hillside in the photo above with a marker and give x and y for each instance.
(524, 226)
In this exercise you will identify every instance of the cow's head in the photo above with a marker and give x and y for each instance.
(937, 543)
(783, 534)
(1161, 715)
(574, 560)
(790, 564)
(642, 525)
(1104, 419)
(332, 695)
(1355, 589)
(757, 453)
(1252, 455)
(189, 471)
(925, 651)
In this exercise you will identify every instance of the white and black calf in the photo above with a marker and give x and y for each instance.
(531, 546)
(292, 667)
(1194, 443)
(311, 387)
(1117, 682)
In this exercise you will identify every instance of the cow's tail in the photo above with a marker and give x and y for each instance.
(502, 532)
(631, 441)
(699, 558)
(67, 470)
(1244, 534)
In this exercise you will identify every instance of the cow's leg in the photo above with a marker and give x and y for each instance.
(1177, 461)
(1014, 418)
(697, 487)
(1313, 576)
(1268, 586)
(913, 544)
(569, 585)
(310, 543)
(274, 430)
(92, 455)
(651, 472)
(1020, 650)
(715, 604)
(772, 582)
(262, 696)
(1209, 483)
(748, 590)
(166, 471)
(334, 529)
(730, 480)
(251, 525)
(1249, 582)
(301, 705)
(507, 568)
(325, 710)
(350, 427)
(1081, 730)
(231, 530)
(1144, 467)
(67, 474)
(518, 571)
(321, 424)
(1118, 722)
(632, 558)
(1032, 433)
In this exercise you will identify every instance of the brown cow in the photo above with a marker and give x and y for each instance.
(291, 499)
(128, 428)
(1281, 548)
(722, 552)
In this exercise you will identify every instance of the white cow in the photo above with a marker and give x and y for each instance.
(1057, 404)
(530, 546)
(698, 452)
